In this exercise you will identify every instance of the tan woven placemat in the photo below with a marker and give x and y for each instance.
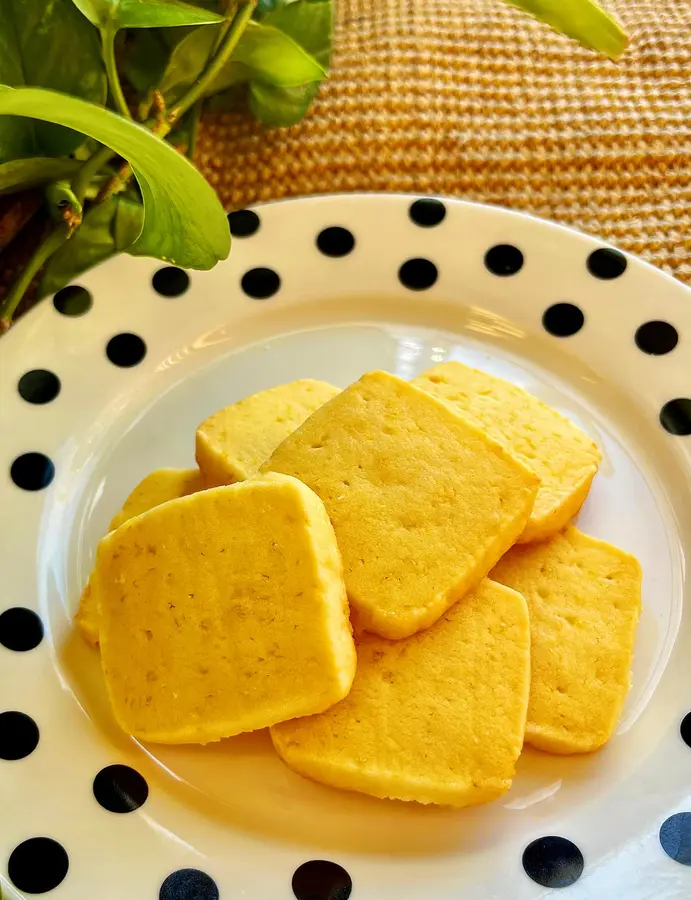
(472, 99)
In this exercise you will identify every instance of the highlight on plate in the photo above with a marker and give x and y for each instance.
(385, 576)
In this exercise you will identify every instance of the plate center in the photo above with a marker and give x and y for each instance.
(241, 781)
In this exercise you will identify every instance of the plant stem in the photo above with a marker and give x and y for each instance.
(223, 30)
(50, 243)
(115, 183)
(230, 40)
(162, 126)
(194, 129)
(108, 45)
(91, 167)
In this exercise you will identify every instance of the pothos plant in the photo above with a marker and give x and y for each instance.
(100, 102)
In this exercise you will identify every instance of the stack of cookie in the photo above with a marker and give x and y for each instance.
(428, 519)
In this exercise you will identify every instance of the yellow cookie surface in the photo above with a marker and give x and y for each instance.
(233, 443)
(88, 615)
(437, 718)
(158, 487)
(224, 612)
(584, 597)
(563, 457)
(422, 502)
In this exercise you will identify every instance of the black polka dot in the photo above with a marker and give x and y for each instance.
(320, 879)
(563, 319)
(427, 212)
(675, 837)
(120, 789)
(243, 223)
(170, 281)
(606, 263)
(73, 301)
(260, 283)
(38, 865)
(418, 274)
(189, 884)
(335, 241)
(553, 862)
(685, 730)
(675, 416)
(20, 629)
(19, 735)
(656, 338)
(126, 350)
(32, 471)
(39, 386)
(504, 259)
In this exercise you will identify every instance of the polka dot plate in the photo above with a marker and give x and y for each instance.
(108, 381)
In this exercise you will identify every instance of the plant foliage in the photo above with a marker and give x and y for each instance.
(97, 98)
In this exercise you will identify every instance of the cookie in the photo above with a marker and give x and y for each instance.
(437, 718)
(423, 503)
(223, 612)
(234, 442)
(584, 598)
(158, 487)
(563, 457)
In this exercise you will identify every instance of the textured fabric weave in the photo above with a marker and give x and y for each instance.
(472, 99)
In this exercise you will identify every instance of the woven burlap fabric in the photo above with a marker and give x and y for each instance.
(472, 99)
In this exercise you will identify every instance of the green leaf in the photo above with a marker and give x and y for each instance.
(187, 60)
(91, 243)
(144, 59)
(309, 23)
(275, 57)
(107, 228)
(128, 221)
(280, 107)
(264, 52)
(583, 20)
(271, 56)
(47, 44)
(20, 174)
(112, 15)
(184, 221)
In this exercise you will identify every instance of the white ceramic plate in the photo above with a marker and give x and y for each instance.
(551, 310)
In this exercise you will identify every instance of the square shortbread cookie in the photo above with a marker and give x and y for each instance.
(423, 503)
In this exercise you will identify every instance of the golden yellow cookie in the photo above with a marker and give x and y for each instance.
(158, 487)
(234, 442)
(561, 455)
(584, 598)
(437, 718)
(224, 612)
(423, 502)
(88, 615)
